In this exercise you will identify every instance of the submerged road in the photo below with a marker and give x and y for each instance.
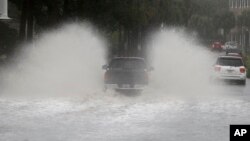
(152, 115)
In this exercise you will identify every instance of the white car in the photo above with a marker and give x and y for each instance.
(231, 45)
(230, 68)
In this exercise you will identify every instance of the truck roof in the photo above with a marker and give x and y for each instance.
(236, 57)
(140, 58)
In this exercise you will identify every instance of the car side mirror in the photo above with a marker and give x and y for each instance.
(105, 67)
(150, 68)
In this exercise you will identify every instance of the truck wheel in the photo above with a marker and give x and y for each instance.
(243, 82)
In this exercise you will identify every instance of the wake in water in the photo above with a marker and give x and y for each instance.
(182, 65)
(66, 60)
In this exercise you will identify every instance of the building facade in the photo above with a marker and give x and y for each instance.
(237, 6)
(239, 33)
(239, 3)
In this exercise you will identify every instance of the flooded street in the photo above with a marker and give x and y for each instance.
(114, 116)
(141, 70)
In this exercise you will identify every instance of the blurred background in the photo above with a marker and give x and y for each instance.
(127, 24)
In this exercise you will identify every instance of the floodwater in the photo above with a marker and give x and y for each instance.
(54, 92)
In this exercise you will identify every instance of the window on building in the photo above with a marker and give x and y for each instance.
(231, 3)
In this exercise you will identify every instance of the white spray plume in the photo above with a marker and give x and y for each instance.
(181, 64)
(67, 60)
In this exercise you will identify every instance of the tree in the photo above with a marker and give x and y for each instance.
(224, 20)
(244, 19)
(127, 23)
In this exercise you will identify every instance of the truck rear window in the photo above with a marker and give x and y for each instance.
(127, 64)
(230, 62)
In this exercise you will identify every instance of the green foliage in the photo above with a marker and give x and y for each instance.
(209, 16)
(224, 19)
(129, 21)
(133, 14)
(247, 62)
(244, 18)
(202, 24)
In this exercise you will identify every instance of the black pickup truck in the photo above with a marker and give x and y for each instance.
(126, 73)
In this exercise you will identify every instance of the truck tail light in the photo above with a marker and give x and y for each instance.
(217, 68)
(242, 70)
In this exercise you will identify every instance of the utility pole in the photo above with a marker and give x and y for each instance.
(27, 21)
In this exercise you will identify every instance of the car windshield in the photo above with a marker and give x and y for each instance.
(230, 62)
(231, 43)
(127, 64)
